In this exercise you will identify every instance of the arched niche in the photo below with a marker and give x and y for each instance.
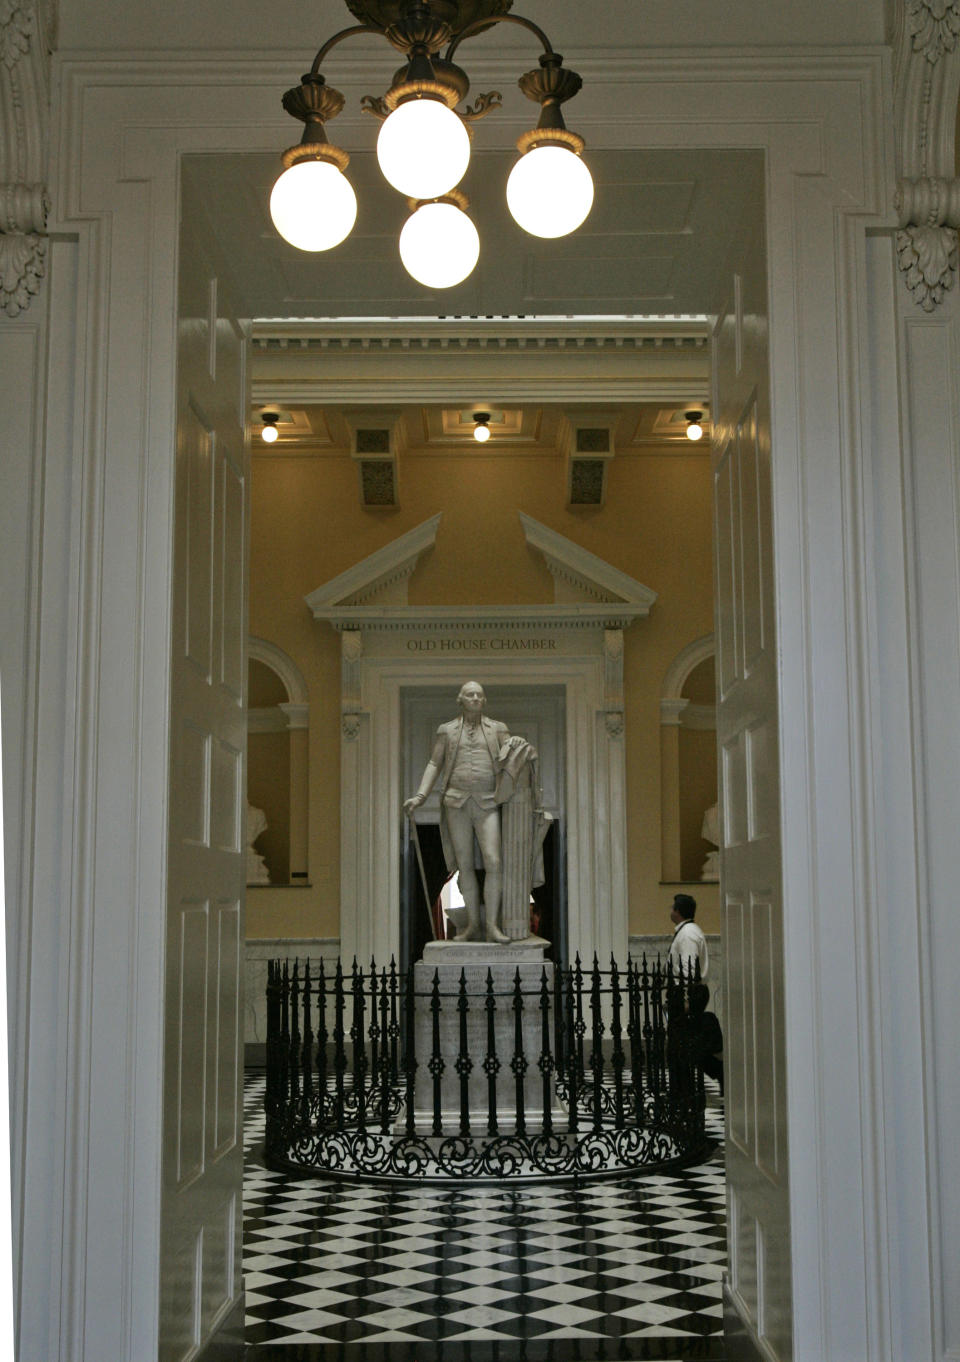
(688, 762)
(277, 755)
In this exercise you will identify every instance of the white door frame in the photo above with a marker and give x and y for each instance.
(92, 1082)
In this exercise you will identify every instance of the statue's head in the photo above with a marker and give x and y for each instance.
(471, 698)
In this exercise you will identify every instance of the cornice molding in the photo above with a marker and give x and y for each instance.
(390, 566)
(479, 618)
(266, 719)
(25, 48)
(597, 579)
(927, 200)
(481, 333)
(699, 716)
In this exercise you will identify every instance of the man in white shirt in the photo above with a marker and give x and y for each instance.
(689, 945)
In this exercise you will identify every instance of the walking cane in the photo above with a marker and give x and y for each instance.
(423, 873)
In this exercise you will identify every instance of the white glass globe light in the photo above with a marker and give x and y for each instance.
(439, 245)
(313, 205)
(550, 191)
(694, 431)
(481, 433)
(269, 433)
(423, 149)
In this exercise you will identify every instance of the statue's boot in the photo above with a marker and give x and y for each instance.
(471, 932)
(493, 927)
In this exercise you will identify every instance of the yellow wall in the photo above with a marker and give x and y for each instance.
(308, 525)
(268, 788)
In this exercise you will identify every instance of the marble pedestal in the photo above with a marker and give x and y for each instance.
(446, 959)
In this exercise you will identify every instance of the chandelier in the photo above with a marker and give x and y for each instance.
(424, 142)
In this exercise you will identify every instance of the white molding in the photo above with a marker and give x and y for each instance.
(595, 577)
(480, 333)
(266, 719)
(390, 566)
(486, 618)
(671, 711)
(298, 715)
(261, 650)
(376, 362)
(683, 664)
(697, 716)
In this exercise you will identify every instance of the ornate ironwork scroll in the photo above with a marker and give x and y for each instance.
(342, 1099)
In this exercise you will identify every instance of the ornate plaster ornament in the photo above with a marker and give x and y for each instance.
(928, 258)
(22, 266)
(926, 85)
(934, 26)
(24, 94)
(17, 27)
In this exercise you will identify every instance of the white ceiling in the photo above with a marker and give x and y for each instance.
(656, 243)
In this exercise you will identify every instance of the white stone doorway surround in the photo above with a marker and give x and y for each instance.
(105, 468)
(389, 647)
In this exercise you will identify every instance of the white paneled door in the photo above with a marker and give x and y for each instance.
(747, 731)
(202, 1144)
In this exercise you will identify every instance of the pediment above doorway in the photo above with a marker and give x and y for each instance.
(588, 591)
(571, 646)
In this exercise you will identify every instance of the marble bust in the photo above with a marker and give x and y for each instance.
(257, 872)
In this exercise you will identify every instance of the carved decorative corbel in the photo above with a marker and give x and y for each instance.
(926, 45)
(25, 46)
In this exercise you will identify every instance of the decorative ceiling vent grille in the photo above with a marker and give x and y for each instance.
(376, 449)
(589, 446)
(378, 482)
(593, 440)
(372, 441)
(587, 482)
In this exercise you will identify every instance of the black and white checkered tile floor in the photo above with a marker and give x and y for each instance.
(623, 1269)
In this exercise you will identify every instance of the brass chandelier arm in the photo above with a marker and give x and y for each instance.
(339, 37)
(480, 24)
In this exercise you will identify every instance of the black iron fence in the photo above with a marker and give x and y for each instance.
(575, 1073)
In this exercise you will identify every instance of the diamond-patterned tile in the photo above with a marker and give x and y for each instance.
(611, 1267)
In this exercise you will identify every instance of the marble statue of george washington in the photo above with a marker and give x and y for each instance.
(473, 758)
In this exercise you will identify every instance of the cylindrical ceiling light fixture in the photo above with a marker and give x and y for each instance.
(694, 428)
(439, 244)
